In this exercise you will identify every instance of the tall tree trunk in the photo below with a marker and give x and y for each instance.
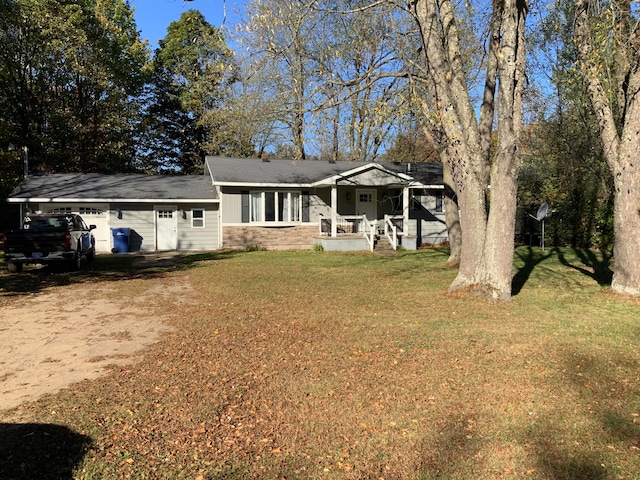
(473, 219)
(486, 184)
(451, 213)
(626, 224)
(499, 245)
(619, 124)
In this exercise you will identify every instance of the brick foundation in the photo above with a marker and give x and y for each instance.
(274, 238)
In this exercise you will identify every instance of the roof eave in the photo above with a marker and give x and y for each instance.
(110, 200)
(263, 185)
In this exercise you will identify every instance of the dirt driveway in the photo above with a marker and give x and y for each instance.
(61, 336)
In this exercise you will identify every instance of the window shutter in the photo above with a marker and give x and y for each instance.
(245, 207)
(305, 206)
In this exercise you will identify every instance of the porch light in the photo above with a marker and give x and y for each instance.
(119, 213)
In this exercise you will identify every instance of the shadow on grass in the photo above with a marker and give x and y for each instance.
(530, 258)
(106, 267)
(595, 265)
(598, 264)
(40, 451)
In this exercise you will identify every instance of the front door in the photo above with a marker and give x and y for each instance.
(166, 228)
(367, 203)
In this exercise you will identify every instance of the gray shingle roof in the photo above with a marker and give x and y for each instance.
(96, 187)
(241, 171)
(254, 171)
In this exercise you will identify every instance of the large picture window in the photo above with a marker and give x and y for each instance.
(274, 206)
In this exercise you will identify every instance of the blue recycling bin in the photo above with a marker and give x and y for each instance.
(120, 240)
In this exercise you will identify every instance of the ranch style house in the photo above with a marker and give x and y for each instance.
(240, 203)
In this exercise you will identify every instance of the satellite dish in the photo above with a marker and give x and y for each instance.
(542, 211)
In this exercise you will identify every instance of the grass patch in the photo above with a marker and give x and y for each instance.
(353, 366)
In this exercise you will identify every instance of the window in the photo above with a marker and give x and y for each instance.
(90, 211)
(365, 198)
(60, 210)
(197, 218)
(439, 203)
(165, 214)
(271, 206)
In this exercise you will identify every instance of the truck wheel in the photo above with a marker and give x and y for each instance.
(91, 254)
(77, 260)
(14, 267)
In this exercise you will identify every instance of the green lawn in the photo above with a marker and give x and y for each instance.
(319, 365)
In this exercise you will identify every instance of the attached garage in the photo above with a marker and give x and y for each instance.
(158, 212)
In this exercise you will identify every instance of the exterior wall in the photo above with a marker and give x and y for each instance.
(231, 206)
(320, 204)
(284, 237)
(198, 238)
(140, 219)
(425, 224)
(371, 178)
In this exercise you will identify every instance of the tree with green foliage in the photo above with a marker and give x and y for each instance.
(187, 116)
(563, 163)
(607, 39)
(70, 73)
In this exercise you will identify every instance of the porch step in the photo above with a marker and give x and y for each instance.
(383, 247)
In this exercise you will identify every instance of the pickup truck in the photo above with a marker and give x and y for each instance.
(49, 238)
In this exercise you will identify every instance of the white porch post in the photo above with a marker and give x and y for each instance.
(405, 209)
(334, 210)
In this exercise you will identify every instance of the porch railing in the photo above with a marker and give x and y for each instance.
(357, 225)
(345, 225)
(393, 229)
(369, 232)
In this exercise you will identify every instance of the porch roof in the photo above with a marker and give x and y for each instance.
(249, 172)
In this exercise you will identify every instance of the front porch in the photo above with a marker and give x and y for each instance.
(364, 208)
(357, 232)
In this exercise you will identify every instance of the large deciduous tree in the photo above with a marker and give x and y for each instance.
(277, 35)
(485, 177)
(608, 42)
(69, 76)
(326, 73)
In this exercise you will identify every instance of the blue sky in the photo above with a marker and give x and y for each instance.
(154, 16)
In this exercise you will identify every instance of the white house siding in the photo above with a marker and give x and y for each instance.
(199, 238)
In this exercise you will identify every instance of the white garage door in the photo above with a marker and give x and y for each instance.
(94, 214)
